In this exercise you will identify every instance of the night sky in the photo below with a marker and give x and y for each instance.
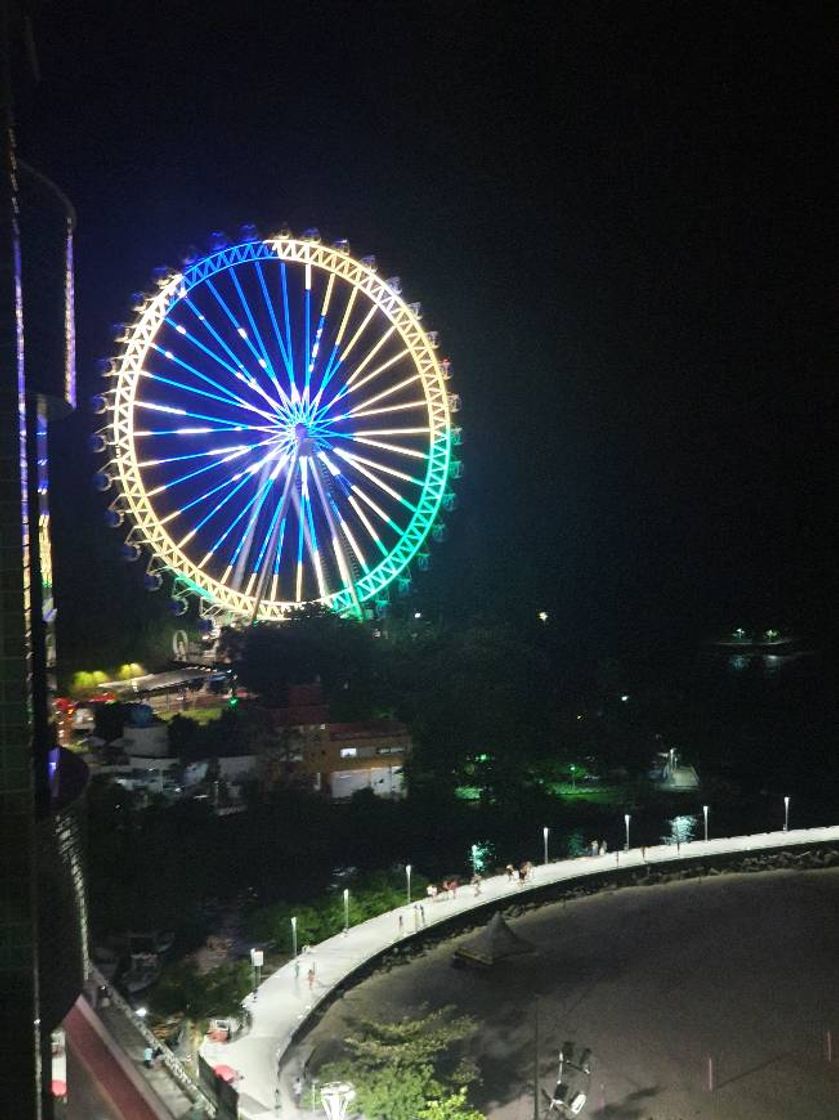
(621, 217)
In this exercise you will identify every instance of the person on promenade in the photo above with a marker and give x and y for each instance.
(431, 891)
(310, 976)
(297, 1090)
(422, 915)
(401, 926)
(511, 872)
(603, 847)
(476, 883)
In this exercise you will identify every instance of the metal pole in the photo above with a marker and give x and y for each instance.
(786, 814)
(705, 814)
(294, 938)
(545, 832)
(346, 911)
(536, 1059)
(626, 822)
(408, 878)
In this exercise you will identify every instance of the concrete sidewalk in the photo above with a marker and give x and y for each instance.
(266, 1058)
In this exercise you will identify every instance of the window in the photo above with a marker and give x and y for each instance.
(348, 752)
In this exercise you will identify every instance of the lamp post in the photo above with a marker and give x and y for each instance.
(626, 819)
(705, 815)
(257, 958)
(786, 814)
(336, 1097)
(573, 777)
(408, 881)
(346, 911)
(545, 832)
(294, 937)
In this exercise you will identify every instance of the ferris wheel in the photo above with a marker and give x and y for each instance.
(278, 430)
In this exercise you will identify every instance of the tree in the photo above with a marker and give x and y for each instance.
(312, 644)
(397, 1067)
(184, 990)
(450, 1108)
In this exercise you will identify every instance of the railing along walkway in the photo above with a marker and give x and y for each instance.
(286, 999)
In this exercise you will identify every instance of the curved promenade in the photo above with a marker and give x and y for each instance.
(285, 1001)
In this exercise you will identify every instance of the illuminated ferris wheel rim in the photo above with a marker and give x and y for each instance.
(129, 369)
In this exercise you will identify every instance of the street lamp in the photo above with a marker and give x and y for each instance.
(786, 814)
(257, 958)
(573, 776)
(408, 880)
(626, 819)
(141, 1012)
(336, 1097)
(545, 832)
(346, 911)
(294, 937)
(705, 815)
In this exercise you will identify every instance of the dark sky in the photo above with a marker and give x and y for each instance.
(620, 216)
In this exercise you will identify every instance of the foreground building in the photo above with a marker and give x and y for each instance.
(339, 759)
(43, 926)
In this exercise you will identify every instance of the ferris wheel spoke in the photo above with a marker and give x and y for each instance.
(287, 316)
(341, 560)
(408, 405)
(303, 508)
(357, 409)
(365, 521)
(263, 359)
(246, 540)
(231, 401)
(237, 368)
(352, 457)
(193, 455)
(315, 350)
(359, 490)
(409, 451)
(268, 543)
(384, 486)
(276, 326)
(238, 480)
(334, 359)
(219, 462)
(232, 397)
(171, 410)
(259, 497)
(351, 388)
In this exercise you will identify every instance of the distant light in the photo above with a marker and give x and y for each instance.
(417, 614)
(624, 698)
(543, 616)
(142, 1012)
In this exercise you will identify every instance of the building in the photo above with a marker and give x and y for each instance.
(43, 924)
(338, 758)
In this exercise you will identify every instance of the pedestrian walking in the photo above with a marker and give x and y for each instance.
(603, 848)
(476, 883)
(310, 977)
(297, 1090)
(416, 917)
(511, 872)
(278, 1099)
(422, 915)
(148, 1057)
(296, 968)
(401, 926)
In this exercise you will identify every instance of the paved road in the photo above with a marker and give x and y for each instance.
(286, 999)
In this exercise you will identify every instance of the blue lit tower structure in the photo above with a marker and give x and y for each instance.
(42, 906)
